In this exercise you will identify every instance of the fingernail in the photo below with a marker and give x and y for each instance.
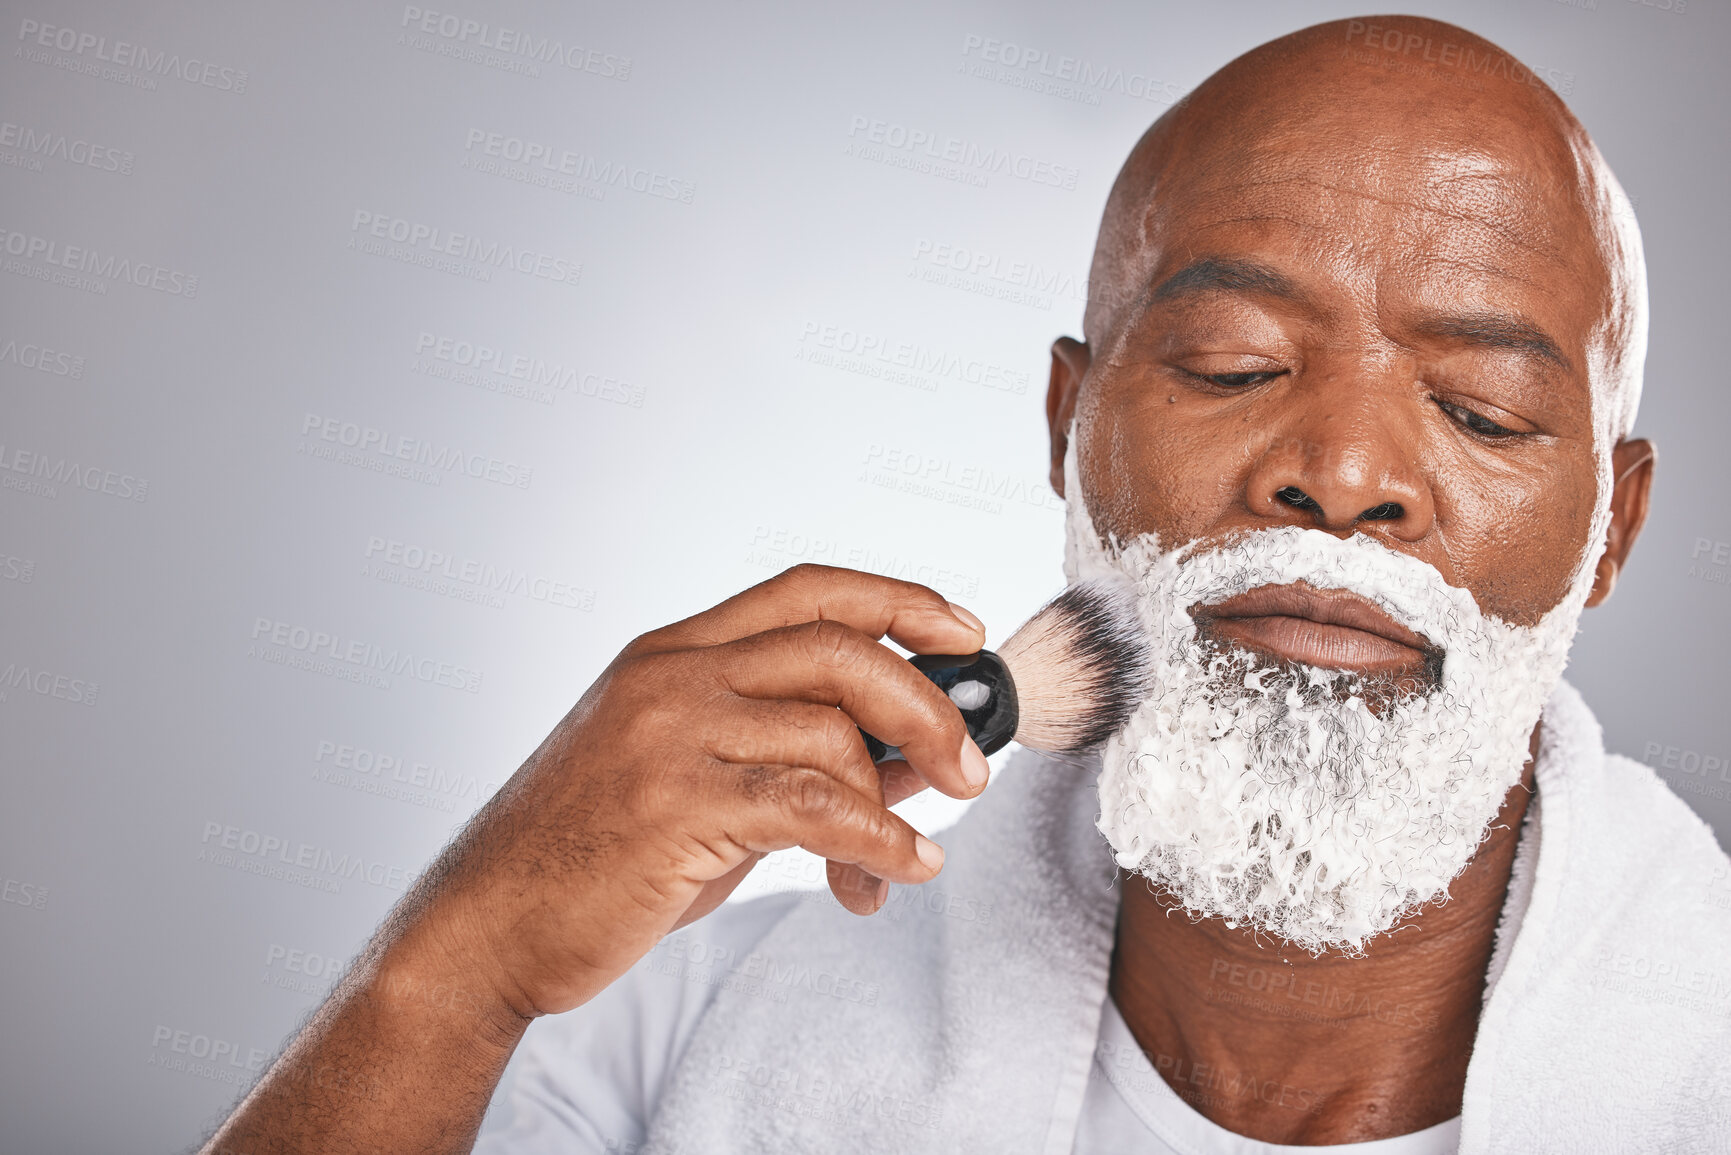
(966, 618)
(975, 769)
(883, 894)
(930, 853)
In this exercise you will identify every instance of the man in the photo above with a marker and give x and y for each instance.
(1363, 353)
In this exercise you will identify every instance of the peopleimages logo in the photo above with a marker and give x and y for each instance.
(426, 244)
(81, 259)
(401, 563)
(45, 474)
(1072, 77)
(1472, 66)
(220, 1060)
(57, 363)
(859, 348)
(478, 364)
(363, 660)
(47, 684)
(955, 483)
(925, 150)
(394, 776)
(579, 166)
(302, 863)
(16, 569)
(91, 51)
(38, 145)
(384, 449)
(525, 47)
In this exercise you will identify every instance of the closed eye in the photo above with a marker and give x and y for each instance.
(1476, 422)
(1238, 380)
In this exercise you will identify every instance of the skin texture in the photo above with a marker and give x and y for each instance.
(1383, 201)
(1330, 294)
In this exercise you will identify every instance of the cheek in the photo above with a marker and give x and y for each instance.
(1147, 469)
(1513, 536)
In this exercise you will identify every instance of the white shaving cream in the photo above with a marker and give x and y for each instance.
(1272, 795)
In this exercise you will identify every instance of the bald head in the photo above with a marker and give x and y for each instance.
(1389, 115)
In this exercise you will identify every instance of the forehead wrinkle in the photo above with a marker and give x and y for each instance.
(1429, 218)
(1161, 208)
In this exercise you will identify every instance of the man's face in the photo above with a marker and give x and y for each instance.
(1383, 320)
(1357, 330)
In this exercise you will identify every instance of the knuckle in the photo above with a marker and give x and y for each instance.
(759, 784)
(881, 828)
(946, 720)
(840, 738)
(934, 704)
(646, 643)
(644, 674)
(924, 596)
(936, 716)
(813, 797)
(834, 643)
(803, 583)
(661, 702)
(651, 722)
(808, 573)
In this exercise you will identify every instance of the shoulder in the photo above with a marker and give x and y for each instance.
(1626, 989)
(589, 1080)
(1624, 853)
(1608, 1029)
(1643, 883)
(1660, 842)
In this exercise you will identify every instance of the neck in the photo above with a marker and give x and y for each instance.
(1275, 1045)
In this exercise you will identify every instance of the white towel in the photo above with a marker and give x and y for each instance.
(1609, 1028)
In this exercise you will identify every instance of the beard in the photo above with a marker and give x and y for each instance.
(1319, 806)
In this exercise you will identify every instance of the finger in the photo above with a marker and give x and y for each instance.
(803, 734)
(900, 781)
(715, 892)
(915, 616)
(775, 807)
(848, 882)
(855, 889)
(757, 730)
(834, 665)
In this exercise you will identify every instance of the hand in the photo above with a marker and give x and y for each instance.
(702, 747)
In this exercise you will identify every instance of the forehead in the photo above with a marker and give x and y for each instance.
(1391, 206)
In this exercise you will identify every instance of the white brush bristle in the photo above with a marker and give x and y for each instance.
(1080, 666)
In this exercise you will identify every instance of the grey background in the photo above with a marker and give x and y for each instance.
(706, 436)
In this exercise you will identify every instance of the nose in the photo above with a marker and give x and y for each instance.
(1344, 470)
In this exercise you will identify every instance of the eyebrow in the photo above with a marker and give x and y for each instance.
(1238, 275)
(1495, 331)
(1227, 275)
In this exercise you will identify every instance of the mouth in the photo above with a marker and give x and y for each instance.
(1330, 629)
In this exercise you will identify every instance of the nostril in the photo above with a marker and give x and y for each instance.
(1296, 498)
(1387, 511)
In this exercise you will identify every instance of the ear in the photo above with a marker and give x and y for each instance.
(1070, 361)
(1632, 473)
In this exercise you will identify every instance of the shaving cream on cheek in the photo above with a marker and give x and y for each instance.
(1272, 795)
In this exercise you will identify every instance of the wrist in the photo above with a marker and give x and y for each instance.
(433, 976)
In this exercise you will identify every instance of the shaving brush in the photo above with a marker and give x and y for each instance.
(1065, 681)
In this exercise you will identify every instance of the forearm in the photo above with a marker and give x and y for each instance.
(404, 1056)
(625, 823)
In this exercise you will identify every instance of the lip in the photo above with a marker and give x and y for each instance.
(1330, 629)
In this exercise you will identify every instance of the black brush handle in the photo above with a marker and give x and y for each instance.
(982, 689)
